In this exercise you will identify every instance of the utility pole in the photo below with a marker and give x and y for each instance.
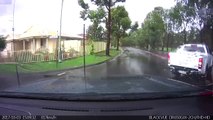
(84, 58)
(59, 40)
(84, 51)
(13, 30)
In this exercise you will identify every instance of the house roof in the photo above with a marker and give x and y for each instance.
(39, 31)
(10, 37)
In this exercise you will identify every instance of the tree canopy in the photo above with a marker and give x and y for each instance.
(189, 21)
(120, 23)
(172, 27)
(106, 6)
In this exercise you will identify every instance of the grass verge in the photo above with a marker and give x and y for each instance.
(165, 49)
(52, 66)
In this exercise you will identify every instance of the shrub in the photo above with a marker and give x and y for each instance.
(46, 57)
(42, 51)
(2, 43)
(72, 52)
(92, 50)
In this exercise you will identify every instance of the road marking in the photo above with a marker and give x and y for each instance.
(163, 83)
(183, 82)
(209, 84)
(60, 74)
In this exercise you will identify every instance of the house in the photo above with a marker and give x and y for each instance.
(39, 38)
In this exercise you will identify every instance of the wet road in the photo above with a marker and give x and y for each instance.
(134, 61)
(131, 62)
(134, 71)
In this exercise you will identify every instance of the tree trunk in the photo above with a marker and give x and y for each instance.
(118, 43)
(201, 39)
(211, 39)
(185, 36)
(172, 41)
(162, 46)
(200, 34)
(109, 30)
(167, 43)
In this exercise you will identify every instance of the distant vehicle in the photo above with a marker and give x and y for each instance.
(191, 59)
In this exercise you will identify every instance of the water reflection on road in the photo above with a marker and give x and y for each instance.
(131, 62)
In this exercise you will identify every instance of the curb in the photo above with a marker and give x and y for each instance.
(62, 72)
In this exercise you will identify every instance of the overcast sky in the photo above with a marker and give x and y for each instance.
(47, 13)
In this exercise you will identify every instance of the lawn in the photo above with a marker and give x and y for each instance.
(51, 66)
(165, 49)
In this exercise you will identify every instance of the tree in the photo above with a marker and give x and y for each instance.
(142, 38)
(95, 32)
(107, 4)
(85, 6)
(162, 13)
(169, 27)
(153, 29)
(204, 10)
(193, 35)
(2, 43)
(120, 23)
(129, 40)
(152, 32)
(186, 16)
(134, 27)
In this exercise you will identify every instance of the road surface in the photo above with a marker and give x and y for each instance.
(131, 62)
(113, 77)
(134, 61)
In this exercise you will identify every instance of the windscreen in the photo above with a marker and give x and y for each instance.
(194, 48)
(102, 46)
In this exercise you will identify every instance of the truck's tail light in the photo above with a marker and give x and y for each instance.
(200, 63)
(168, 56)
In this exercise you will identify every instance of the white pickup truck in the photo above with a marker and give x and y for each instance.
(191, 59)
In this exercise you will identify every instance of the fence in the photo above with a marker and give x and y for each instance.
(97, 46)
(27, 56)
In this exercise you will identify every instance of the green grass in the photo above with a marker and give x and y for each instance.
(51, 66)
(7, 68)
(165, 49)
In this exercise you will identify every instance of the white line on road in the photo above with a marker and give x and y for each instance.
(183, 82)
(60, 74)
(163, 83)
(210, 84)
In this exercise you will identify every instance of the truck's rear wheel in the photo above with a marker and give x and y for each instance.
(208, 74)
